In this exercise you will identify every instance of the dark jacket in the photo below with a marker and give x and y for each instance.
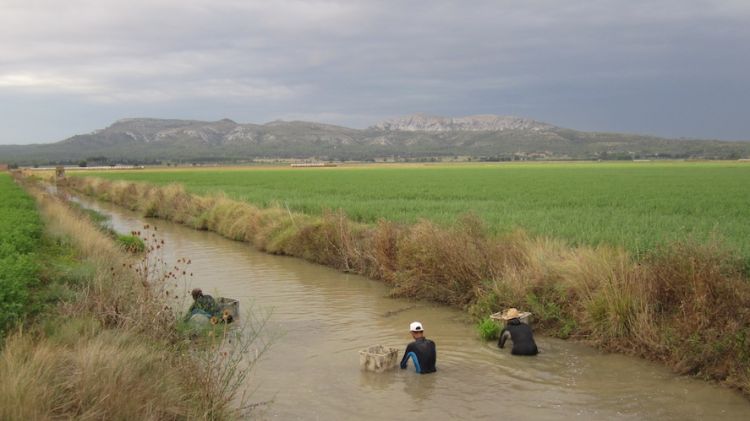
(205, 303)
(422, 352)
(520, 334)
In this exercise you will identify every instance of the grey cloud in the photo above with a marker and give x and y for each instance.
(589, 65)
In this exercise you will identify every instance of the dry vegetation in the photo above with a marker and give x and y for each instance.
(112, 347)
(685, 304)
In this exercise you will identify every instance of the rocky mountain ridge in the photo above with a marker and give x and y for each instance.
(413, 137)
(474, 123)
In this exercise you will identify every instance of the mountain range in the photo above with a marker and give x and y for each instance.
(412, 137)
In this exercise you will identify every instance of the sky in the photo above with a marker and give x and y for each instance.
(675, 68)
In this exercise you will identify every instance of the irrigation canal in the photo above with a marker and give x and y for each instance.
(312, 371)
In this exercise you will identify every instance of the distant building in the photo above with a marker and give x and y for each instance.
(3, 167)
(313, 164)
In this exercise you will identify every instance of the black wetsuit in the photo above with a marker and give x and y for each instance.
(422, 352)
(520, 334)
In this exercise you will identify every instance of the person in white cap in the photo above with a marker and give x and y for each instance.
(421, 351)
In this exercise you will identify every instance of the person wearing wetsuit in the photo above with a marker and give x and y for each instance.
(518, 332)
(421, 351)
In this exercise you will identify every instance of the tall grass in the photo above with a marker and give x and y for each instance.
(103, 375)
(684, 303)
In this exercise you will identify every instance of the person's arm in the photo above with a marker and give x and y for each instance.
(504, 336)
(433, 357)
(405, 359)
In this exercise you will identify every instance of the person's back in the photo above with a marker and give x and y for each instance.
(521, 336)
(422, 351)
(207, 304)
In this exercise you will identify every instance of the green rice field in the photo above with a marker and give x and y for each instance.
(636, 205)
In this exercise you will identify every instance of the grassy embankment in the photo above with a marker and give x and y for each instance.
(87, 337)
(684, 302)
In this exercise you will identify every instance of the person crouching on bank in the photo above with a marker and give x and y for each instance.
(421, 351)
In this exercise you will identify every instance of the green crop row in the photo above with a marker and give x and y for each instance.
(20, 239)
(636, 205)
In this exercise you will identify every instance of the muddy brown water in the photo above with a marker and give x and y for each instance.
(312, 370)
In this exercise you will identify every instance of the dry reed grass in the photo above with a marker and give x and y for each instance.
(687, 305)
(111, 375)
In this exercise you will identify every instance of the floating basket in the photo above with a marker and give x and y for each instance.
(525, 317)
(231, 306)
(378, 358)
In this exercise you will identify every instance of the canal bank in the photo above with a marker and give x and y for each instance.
(99, 339)
(327, 316)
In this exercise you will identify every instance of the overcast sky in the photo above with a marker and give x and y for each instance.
(670, 67)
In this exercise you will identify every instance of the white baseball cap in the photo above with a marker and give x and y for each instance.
(416, 327)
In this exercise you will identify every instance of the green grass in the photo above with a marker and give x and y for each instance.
(20, 239)
(488, 329)
(131, 243)
(636, 205)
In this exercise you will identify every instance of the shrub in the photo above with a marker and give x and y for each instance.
(488, 329)
(131, 243)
